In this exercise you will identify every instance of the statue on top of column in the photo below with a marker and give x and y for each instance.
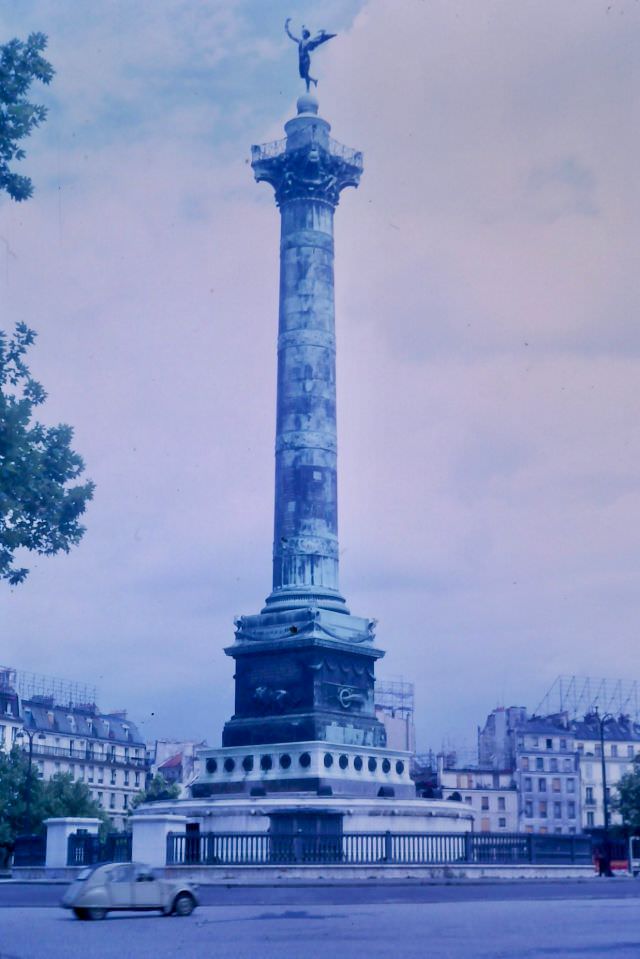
(307, 43)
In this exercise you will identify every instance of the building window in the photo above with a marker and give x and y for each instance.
(571, 810)
(501, 803)
(113, 777)
(567, 766)
(589, 795)
(571, 785)
(598, 749)
(542, 785)
(81, 774)
(484, 802)
(553, 765)
(502, 823)
(467, 799)
(137, 777)
(557, 810)
(99, 799)
(543, 810)
(563, 744)
(588, 770)
(101, 775)
(549, 743)
(90, 772)
(535, 741)
(614, 749)
(528, 809)
(555, 784)
(528, 786)
(543, 830)
(590, 819)
(125, 801)
(126, 777)
(630, 752)
(112, 800)
(539, 763)
(524, 762)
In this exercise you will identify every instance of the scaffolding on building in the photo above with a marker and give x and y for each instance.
(579, 695)
(60, 692)
(395, 697)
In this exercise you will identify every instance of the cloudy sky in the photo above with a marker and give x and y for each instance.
(487, 293)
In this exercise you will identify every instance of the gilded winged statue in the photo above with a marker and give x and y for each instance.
(307, 43)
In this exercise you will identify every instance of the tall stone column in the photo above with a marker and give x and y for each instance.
(307, 170)
(305, 664)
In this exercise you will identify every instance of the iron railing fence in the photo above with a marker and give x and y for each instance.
(29, 850)
(254, 849)
(84, 849)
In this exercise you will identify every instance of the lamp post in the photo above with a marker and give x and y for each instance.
(605, 868)
(30, 736)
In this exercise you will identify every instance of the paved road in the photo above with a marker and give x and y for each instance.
(506, 929)
(45, 894)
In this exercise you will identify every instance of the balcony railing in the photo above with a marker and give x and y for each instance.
(257, 849)
(276, 148)
(86, 755)
(266, 151)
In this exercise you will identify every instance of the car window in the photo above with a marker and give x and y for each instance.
(124, 873)
(84, 874)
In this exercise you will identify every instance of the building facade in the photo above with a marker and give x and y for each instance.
(174, 760)
(103, 750)
(491, 794)
(547, 776)
(557, 764)
(621, 746)
(10, 721)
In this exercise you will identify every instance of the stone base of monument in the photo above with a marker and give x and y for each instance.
(185, 831)
(322, 768)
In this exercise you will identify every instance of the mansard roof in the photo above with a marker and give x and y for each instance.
(85, 722)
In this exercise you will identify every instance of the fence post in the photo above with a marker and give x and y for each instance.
(170, 849)
(59, 830)
(149, 839)
(388, 847)
(468, 848)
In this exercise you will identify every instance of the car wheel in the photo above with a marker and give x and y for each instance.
(184, 904)
(96, 913)
(80, 913)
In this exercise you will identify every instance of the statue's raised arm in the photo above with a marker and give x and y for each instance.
(307, 43)
(289, 33)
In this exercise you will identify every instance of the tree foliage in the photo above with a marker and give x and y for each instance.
(59, 796)
(627, 798)
(20, 64)
(40, 505)
(13, 793)
(157, 790)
